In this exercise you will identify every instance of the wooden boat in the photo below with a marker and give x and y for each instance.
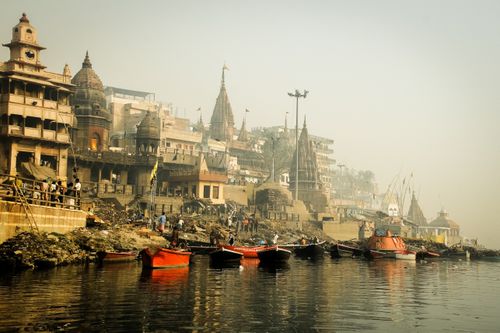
(106, 257)
(248, 251)
(312, 250)
(273, 254)
(201, 249)
(340, 250)
(387, 246)
(223, 255)
(165, 258)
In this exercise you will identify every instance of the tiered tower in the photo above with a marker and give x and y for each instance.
(222, 121)
(89, 102)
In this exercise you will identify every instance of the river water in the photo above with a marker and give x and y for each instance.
(346, 295)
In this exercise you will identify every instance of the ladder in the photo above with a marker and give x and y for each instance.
(27, 209)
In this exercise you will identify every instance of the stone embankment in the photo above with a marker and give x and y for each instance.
(117, 231)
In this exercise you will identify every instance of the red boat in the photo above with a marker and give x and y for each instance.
(388, 246)
(248, 251)
(104, 256)
(165, 258)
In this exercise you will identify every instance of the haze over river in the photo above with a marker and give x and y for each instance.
(328, 295)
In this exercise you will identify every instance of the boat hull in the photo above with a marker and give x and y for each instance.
(310, 251)
(248, 251)
(401, 254)
(108, 257)
(223, 255)
(273, 255)
(165, 258)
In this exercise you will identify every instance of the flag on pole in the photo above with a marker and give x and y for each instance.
(153, 172)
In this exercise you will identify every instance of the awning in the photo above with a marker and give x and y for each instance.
(37, 172)
(31, 80)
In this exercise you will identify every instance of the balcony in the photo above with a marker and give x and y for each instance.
(34, 101)
(62, 137)
(50, 104)
(49, 134)
(32, 132)
(15, 129)
(64, 108)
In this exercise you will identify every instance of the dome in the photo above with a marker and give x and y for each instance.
(443, 221)
(89, 93)
(87, 78)
(149, 127)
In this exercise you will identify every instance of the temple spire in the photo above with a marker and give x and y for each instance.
(224, 68)
(86, 62)
(222, 120)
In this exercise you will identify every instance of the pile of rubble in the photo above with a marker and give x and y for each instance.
(41, 250)
(33, 250)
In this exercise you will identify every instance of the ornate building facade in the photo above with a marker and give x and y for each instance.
(222, 121)
(89, 103)
(35, 113)
(310, 188)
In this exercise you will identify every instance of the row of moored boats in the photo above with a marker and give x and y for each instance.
(378, 246)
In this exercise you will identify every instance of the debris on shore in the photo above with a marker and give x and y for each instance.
(121, 231)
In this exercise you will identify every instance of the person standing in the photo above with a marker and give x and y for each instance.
(77, 188)
(60, 193)
(163, 222)
(175, 237)
(231, 239)
(275, 239)
(45, 192)
(70, 198)
(180, 223)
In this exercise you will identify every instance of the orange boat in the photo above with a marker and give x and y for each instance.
(248, 251)
(387, 246)
(165, 258)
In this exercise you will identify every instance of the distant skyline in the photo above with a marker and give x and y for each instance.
(401, 86)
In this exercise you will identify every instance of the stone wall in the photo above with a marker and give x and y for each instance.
(342, 231)
(50, 219)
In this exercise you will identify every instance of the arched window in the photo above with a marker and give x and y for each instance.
(95, 142)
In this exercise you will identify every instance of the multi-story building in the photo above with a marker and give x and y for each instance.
(35, 113)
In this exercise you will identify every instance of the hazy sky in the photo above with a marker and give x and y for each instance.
(401, 86)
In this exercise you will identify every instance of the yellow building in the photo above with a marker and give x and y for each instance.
(35, 113)
(200, 182)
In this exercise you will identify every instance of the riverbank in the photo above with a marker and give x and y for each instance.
(118, 231)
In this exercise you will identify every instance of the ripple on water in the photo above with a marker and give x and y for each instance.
(343, 295)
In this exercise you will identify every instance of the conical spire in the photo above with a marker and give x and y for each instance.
(222, 121)
(86, 62)
(199, 127)
(243, 135)
(415, 212)
(308, 166)
(224, 68)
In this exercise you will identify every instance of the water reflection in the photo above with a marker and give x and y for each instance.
(330, 295)
(168, 277)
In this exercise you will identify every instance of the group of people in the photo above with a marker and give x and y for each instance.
(47, 193)
(163, 223)
(243, 223)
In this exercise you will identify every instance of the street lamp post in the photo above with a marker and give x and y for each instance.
(297, 95)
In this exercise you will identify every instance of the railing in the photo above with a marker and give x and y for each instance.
(34, 192)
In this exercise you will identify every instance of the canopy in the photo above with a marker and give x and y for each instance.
(38, 172)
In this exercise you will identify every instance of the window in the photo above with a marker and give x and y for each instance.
(206, 191)
(216, 192)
